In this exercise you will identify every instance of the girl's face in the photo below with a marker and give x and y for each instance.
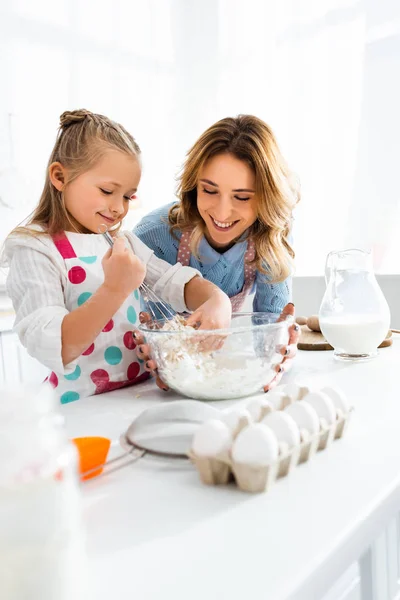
(102, 194)
(226, 199)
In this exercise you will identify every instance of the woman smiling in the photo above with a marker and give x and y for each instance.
(234, 216)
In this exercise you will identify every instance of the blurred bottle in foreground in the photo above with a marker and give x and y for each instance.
(42, 549)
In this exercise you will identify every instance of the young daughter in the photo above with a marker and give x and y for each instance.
(76, 300)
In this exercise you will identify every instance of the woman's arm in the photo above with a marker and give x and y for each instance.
(271, 297)
(153, 230)
(276, 298)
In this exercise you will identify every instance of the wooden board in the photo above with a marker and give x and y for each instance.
(314, 340)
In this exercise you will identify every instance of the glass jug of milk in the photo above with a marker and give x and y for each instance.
(42, 544)
(354, 315)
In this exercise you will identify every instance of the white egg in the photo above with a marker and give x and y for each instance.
(259, 406)
(277, 398)
(211, 438)
(284, 427)
(256, 445)
(338, 397)
(295, 391)
(305, 416)
(323, 406)
(235, 416)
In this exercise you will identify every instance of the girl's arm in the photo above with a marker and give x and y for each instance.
(123, 273)
(35, 284)
(50, 333)
(212, 307)
(184, 288)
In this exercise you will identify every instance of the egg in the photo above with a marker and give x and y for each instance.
(301, 320)
(305, 416)
(338, 397)
(256, 445)
(212, 437)
(313, 323)
(277, 398)
(323, 406)
(235, 417)
(295, 391)
(284, 427)
(259, 406)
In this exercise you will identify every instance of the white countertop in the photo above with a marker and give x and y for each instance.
(156, 532)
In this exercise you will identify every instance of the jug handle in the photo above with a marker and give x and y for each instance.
(328, 267)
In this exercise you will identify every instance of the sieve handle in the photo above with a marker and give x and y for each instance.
(116, 463)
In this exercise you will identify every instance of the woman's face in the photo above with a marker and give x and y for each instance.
(226, 199)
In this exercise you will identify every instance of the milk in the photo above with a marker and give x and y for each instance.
(42, 553)
(354, 334)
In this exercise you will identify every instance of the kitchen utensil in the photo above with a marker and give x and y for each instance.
(354, 316)
(148, 294)
(240, 366)
(165, 430)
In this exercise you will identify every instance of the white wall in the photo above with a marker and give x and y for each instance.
(308, 293)
(323, 74)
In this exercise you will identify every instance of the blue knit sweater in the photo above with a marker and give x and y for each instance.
(225, 269)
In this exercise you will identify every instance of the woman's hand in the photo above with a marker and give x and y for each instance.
(288, 352)
(143, 352)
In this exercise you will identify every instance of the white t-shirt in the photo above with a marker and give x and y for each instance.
(37, 278)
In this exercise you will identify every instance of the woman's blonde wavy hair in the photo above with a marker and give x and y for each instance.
(83, 138)
(249, 139)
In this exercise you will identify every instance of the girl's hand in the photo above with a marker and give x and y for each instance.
(123, 271)
(215, 313)
(288, 352)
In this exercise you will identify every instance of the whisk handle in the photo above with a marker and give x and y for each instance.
(108, 238)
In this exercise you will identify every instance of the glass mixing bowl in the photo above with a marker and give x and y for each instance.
(219, 364)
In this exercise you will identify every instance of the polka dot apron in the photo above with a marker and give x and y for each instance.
(110, 362)
(249, 270)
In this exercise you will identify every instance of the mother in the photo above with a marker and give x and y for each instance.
(233, 220)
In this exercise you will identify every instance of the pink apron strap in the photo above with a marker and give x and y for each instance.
(184, 248)
(249, 278)
(249, 269)
(63, 245)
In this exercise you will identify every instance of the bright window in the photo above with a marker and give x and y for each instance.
(322, 73)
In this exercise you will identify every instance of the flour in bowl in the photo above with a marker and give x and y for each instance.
(236, 370)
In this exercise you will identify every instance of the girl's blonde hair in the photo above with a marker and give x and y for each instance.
(83, 138)
(251, 140)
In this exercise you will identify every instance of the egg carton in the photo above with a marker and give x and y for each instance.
(221, 469)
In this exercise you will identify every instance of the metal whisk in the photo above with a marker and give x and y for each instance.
(148, 294)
